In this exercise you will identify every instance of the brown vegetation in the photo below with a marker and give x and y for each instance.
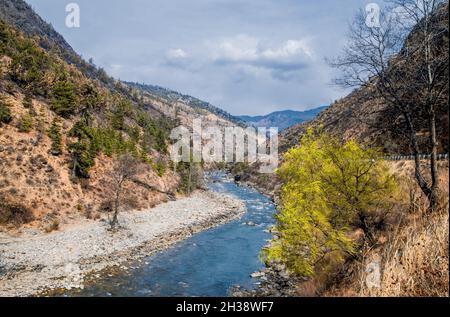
(13, 212)
(412, 250)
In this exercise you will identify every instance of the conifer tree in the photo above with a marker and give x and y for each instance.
(54, 134)
(64, 98)
(5, 111)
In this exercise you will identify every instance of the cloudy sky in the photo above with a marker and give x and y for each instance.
(246, 56)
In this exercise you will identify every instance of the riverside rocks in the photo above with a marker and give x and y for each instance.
(33, 263)
(272, 281)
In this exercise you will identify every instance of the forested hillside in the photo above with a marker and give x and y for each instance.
(171, 97)
(60, 131)
(63, 124)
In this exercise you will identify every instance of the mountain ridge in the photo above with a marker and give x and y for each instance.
(63, 125)
(282, 119)
(21, 15)
(171, 95)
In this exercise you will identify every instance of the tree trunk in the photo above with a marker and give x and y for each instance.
(433, 195)
(114, 220)
(190, 179)
(429, 191)
(365, 227)
(433, 163)
(74, 169)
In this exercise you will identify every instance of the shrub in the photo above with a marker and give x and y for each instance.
(89, 213)
(28, 101)
(5, 37)
(14, 213)
(134, 133)
(330, 187)
(160, 168)
(5, 112)
(50, 223)
(415, 261)
(25, 123)
(106, 206)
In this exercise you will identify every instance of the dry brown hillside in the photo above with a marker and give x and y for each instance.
(35, 185)
(63, 123)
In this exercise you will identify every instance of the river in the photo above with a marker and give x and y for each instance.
(208, 263)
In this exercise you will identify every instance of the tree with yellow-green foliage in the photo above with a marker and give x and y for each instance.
(330, 188)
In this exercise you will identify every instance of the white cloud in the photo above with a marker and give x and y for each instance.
(291, 48)
(241, 48)
(245, 49)
(176, 53)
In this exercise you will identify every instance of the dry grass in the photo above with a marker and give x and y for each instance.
(415, 261)
(412, 252)
(13, 212)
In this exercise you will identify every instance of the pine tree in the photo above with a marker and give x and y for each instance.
(5, 111)
(83, 157)
(54, 134)
(29, 65)
(64, 101)
(84, 150)
(118, 115)
(90, 101)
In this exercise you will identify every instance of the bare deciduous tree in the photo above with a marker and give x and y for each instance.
(124, 169)
(405, 60)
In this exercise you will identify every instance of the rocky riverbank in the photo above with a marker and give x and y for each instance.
(274, 281)
(35, 263)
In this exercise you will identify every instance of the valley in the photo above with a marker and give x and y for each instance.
(121, 188)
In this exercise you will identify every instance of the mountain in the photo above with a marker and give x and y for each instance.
(64, 122)
(282, 119)
(181, 104)
(365, 116)
(20, 15)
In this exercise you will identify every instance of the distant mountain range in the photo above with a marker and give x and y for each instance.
(282, 119)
